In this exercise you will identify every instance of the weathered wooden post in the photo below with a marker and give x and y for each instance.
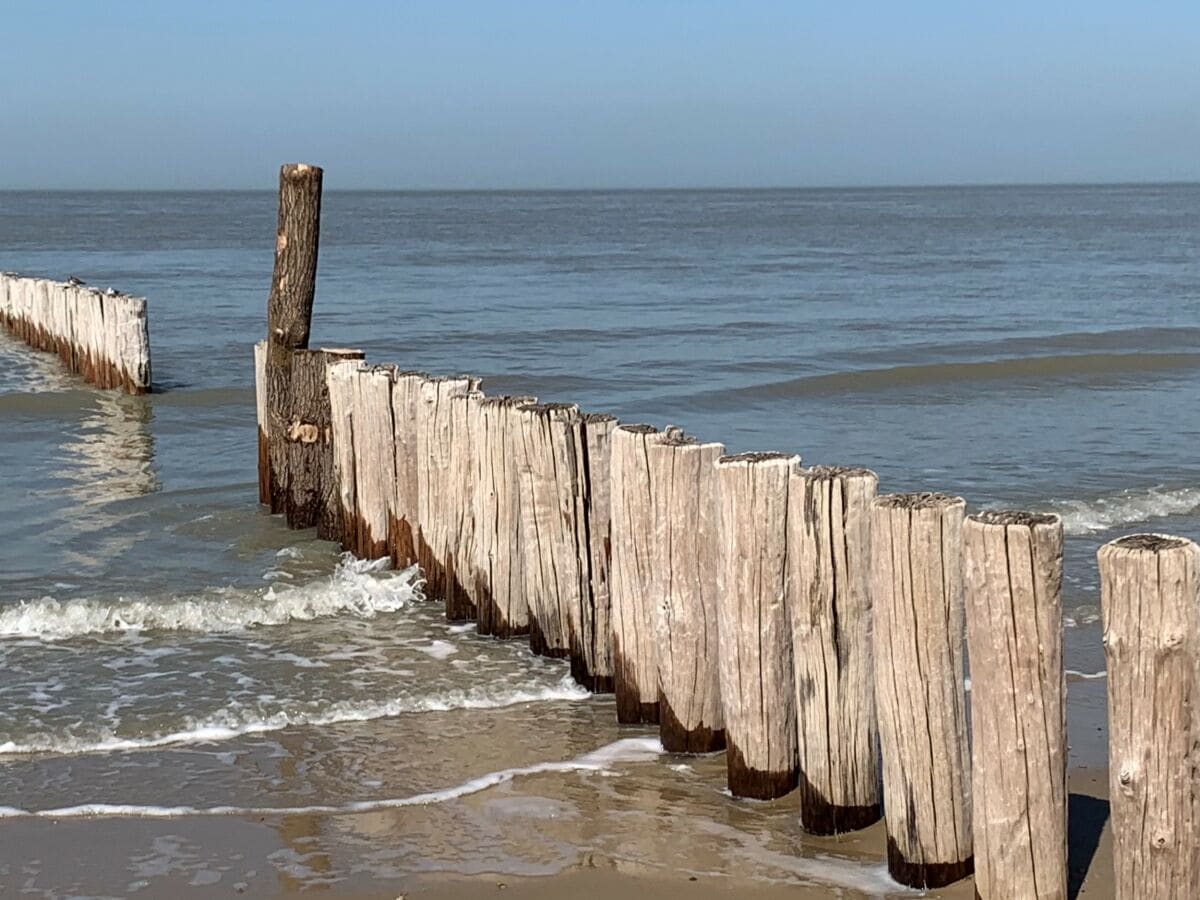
(434, 442)
(548, 508)
(635, 661)
(289, 308)
(1013, 598)
(916, 592)
(374, 459)
(404, 510)
(686, 548)
(463, 478)
(591, 648)
(341, 380)
(758, 693)
(1150, 602)
(503, 609)
(829, 596)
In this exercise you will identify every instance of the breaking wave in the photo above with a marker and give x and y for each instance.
(357, 587)
(267, 716)
(1126, 508)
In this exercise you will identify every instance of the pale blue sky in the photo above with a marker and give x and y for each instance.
(139, 94)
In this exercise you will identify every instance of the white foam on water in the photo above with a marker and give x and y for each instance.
(438, 649)
(603, 759)
(275, 715)
(1086, 676)
(1126, 508)
(357, 587)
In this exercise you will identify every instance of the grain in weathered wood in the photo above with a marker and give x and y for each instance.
(308, 459)
(1150, 603)
(375, 461)
(503, 609)
(549, 517)
(434, 488)
(404, 511)
(463, 479)
(1013, 596)
(758, 695)
(916, 592)
(634, 582)
(829, 598)
(686, 549)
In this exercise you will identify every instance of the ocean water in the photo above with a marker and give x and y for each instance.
(168, 649)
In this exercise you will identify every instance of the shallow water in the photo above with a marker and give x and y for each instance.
(166, 644)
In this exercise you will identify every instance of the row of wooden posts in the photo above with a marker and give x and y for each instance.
(792, 617)
(100, 335)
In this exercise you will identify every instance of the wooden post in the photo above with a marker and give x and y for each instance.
(635, 660)
(503, 609)
(1150, 602)
(549, 479)
(340, 379)
(289, 306)
(1013, 596)
(260, 400)
(434, 435)
(916, 588)
(374, 459)
(404, 511)
(463, 477)
(591, 634)
(686, 549)
(758, 693)
(308, 468)
(829, 596)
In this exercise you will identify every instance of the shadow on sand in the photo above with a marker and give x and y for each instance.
(1086, 818)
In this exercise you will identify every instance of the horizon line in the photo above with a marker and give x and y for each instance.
(948, 185)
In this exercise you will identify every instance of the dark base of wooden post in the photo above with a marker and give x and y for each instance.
(597, 684)
(490, 619)
(631, 708)
(926, 875)
(677, 738)
(401, 544)
(756, 784)
(539, 645)
(819, 816)
(264, 470)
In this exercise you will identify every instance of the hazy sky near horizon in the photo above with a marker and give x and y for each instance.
(673, 93)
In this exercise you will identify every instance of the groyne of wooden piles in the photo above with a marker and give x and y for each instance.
(100, 335)
(813, 629)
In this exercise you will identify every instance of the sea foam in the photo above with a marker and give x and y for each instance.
(1126, 508)
(276, 715)
(603, 759)
(357, 587)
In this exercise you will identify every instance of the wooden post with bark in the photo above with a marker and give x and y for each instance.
(503, 609)
(1013, 596)
(289, 308)
(755, 635)
(634, 576)
(829, 596)
(686, 552)
(916, 588)
(1150, 602)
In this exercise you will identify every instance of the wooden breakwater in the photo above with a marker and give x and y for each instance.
(100, 335)
(813, 629)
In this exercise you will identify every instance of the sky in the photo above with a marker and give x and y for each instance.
(130, 94)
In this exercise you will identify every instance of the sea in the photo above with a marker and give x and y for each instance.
(193, 694)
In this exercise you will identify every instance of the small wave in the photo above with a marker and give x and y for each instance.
(603, 759)
(358, 587)
(1126, 508)
(276, 716)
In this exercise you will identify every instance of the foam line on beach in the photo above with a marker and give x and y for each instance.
(1128, 507)
(230, 724)
(357, 587)
(603, 759)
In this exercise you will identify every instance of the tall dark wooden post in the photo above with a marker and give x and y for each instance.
(289, 313)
